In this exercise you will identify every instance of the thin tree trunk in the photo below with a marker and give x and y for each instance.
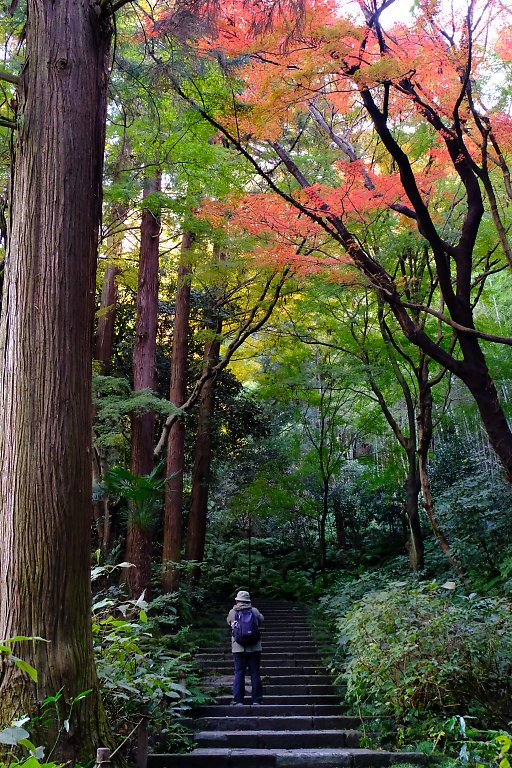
(173, 515)
(323, 521)
(140, 530)
(103, 353)
(341, 533)
(196, 530)
(425, 428)
(415, 546)
(106, 321)
(414, 543)
(108, 305)
(46, 334)
(101, 512)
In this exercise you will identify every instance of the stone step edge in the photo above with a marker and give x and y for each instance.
(268, 710)
(208, 722)
(257, 732)
(291, 757)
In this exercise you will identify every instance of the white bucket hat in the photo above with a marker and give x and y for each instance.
(243, 597)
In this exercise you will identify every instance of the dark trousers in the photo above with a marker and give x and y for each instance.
(242, 662)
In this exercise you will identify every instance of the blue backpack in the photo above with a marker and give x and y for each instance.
(245, 628)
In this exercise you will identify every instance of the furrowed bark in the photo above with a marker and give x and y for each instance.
(173, 513)
(196, 530)
(46, 334)
(140, 532)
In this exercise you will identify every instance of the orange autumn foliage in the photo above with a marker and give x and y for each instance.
(421, 68)
(278, 232)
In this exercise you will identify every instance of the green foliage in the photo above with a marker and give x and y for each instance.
(351, 587)
(474, 506)
(16, 735)
(10, 657)
(143, 493)
(271, 568)
(29, 761)
(142, 676)
(416, 652)
(370, 502)
(54, 712)
(114, 401)
(473, 747)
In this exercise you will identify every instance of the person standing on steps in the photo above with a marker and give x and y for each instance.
(245, 622)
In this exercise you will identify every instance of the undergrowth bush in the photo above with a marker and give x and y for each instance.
(481, 537)
(147, 678)
(269, 570)
(419, 653)
(459, 743)
(352, 586)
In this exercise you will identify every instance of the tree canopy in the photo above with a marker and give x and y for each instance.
(256, 265)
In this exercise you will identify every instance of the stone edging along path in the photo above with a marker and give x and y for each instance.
(300, 724)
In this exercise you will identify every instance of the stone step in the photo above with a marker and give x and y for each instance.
(284, 758)
(277, 739)
(297, 684)
(274, 662)
(269, 622)
(226, 668)
(301, 723)
(273, 679)
(281, 722)
(285, 632)
(283, 709)
(281, 633)
(274, 656)
(282, 678)
(285, 643)
(287, 607)
(297, 698)
(270, 648)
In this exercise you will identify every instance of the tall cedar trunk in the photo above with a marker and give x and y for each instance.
(108, 306)
(196, 530)
(173, 515)
(415, 546)
(140, 530)
(104, 345)
(45, 391)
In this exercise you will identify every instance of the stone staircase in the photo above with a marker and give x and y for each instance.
(300, 724)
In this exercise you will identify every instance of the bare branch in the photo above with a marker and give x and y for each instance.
(7, 77)
(6, 123)
(251, 326)
(347, 148)
(458, 327)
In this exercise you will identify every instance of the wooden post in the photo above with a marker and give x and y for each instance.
(102, 757)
